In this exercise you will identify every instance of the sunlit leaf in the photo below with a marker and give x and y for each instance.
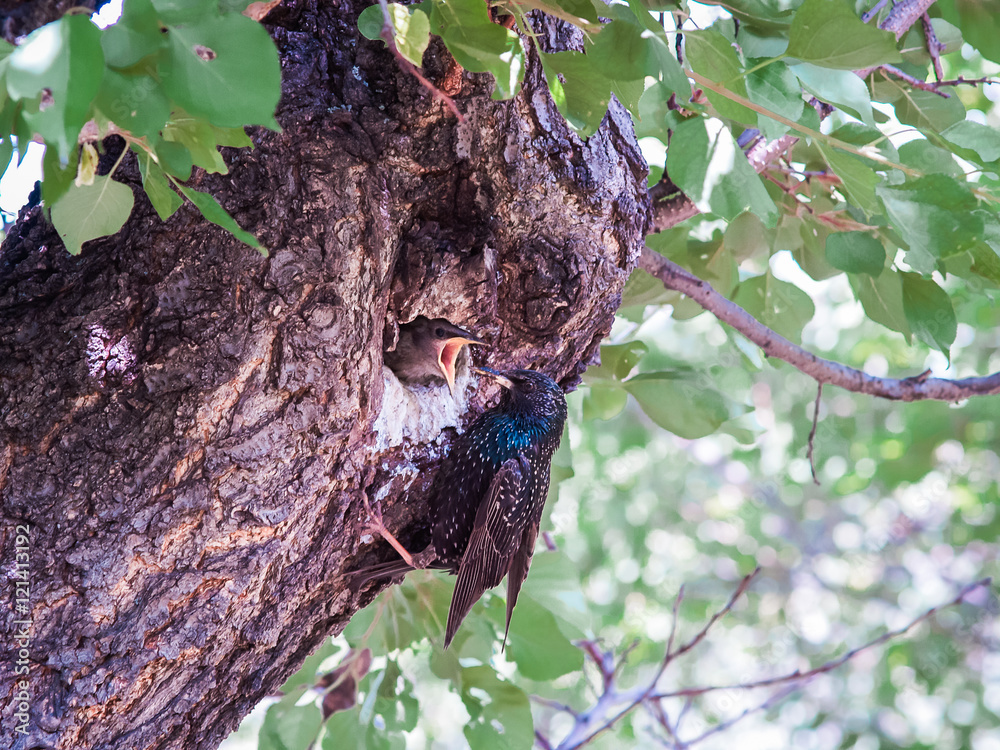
(91, 211)
(855, 252)
(829, 33)
(929, 312)
(705, 162)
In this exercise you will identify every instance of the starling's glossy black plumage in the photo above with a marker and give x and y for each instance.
(490, 492)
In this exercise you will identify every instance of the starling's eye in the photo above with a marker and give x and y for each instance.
(528, 386)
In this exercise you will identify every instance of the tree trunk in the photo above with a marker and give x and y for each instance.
(188, 430)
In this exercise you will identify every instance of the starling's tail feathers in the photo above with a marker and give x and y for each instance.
(496, 534)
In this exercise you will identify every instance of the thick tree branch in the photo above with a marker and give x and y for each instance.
(821, 370)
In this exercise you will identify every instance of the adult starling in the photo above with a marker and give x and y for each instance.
(428, 350)
(490, 492)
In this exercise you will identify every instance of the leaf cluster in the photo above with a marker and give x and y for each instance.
(175, 80)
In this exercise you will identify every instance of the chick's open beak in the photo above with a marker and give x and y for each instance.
(448, 351)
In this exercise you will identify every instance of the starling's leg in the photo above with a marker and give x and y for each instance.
(375, 524)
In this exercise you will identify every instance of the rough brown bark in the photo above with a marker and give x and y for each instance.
(20, 17)
(190, 430)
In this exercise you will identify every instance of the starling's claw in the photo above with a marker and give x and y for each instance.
(375, 524)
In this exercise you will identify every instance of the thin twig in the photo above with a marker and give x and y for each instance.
(554, 705)
(595, 721)
(934, 46)
(389, 37)
(799, 676)
(821, 370)
(934, 88)
(673, 625)
(740, 590)
(874, 11)
(772, 700)
(812, 434)
(962, 80)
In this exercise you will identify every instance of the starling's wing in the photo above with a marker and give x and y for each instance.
(496, 534)
(539, 490)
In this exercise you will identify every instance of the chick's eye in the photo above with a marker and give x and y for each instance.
(439, 332)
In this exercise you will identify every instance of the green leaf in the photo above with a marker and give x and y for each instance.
(536, 644)
(858, 179)
(776, 88)
(640, 290)
(811, 251)
(413, 34)
(617, 361)
(984, 140)
(604, 401)
(712, 55)
(555, 580)
(746, 238)
(91, 211)
(705, 162)
(929, 312)
(621, 47)
(766, 15)
(87, 170)
(922, 155)
(979, 21)
(61, 63)
(287, 726)
(6, 152)
(185, 11)
(842, 88)
(224, 69)
(234, 137)
(478, 44)
(134, 36)
(986, 262)
(175, 159)
(928, 111)
(661, 58)
(937, 217)
(154, 182)
(56, 177)
(412, 29)
(135, 103)
(829, 33)
(502, 723)
(914, 45)
(202, 140)
(584, 91)
(216, 214)
(688, 409)
(371, 20)
(782, 307)
(855, 252)
(882, 298)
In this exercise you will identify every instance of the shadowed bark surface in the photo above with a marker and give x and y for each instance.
(190, 429)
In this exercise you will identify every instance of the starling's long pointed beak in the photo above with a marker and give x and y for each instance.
(448, 351)
(501, 379)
